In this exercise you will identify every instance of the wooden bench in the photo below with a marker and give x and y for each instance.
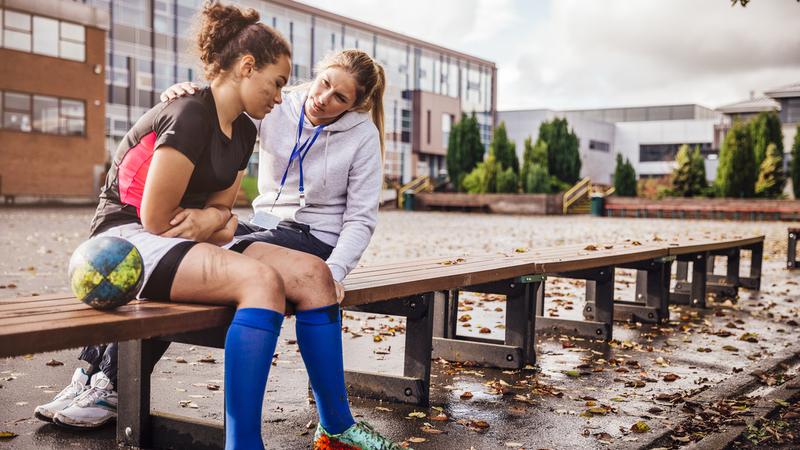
(424, 291)
(791, 251)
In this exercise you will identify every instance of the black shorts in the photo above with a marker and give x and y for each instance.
(292, 235)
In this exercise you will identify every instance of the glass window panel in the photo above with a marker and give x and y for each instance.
(18, 21)
(17, 121)
(17, 102)
(45, 114)
(1, 27)
(71, 50)
(72, 109)
(16, 40)
(74, 127)
(45, 36)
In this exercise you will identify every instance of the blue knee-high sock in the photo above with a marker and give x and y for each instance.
(319, 335)
(249, 347)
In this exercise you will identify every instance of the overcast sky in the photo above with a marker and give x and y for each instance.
(569, 54)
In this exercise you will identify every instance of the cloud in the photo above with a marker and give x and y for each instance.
(565, 54)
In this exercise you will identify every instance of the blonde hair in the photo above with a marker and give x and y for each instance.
(370, 83)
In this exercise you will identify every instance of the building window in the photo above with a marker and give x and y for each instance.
(17, 111)
(17, 31)
(447, 125)
(73, 41)
(43, 114)
(43, 36)
(666, 152)
(46, 117)
(599, 146)
(428, 123)
(405, 126)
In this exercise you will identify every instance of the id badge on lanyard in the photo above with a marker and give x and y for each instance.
(299, 153)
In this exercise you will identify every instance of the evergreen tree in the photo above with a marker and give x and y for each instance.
(464, 149)
(483, 178)
(795, 169)
(689, 177)
(507, 181)
(736, 175)
(537, 180)
(563, 156)
(534, 177)
(624, 178)
(765, 129)
(771, 179)
(455, 157)
(504, 150)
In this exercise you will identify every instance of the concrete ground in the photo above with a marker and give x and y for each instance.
(645, 389)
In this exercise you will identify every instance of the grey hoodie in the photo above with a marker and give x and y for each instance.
(342, 177)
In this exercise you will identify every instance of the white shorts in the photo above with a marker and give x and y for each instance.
(152, 248)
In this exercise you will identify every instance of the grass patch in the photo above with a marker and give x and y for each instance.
(250, 187)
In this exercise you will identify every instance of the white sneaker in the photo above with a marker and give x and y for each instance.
(64, 398)
(95, 407)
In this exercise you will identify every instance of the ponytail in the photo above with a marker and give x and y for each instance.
(376, 101)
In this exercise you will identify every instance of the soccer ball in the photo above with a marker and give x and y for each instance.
(106, 272)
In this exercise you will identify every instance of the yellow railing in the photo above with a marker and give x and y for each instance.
(420, 184)
(610, 191)
(576, 193)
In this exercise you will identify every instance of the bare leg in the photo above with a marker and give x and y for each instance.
(209, 274)
(307, 279)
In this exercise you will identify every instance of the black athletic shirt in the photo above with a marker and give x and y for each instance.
(190, 125)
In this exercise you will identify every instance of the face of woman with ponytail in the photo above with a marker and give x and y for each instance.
(333, 93)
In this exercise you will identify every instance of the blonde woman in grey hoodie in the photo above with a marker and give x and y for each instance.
(319, 183)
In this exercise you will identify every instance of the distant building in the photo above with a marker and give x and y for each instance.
(649, 136)
(52, 98)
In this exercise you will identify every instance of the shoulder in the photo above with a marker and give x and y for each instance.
(244, 124)
(190, 107)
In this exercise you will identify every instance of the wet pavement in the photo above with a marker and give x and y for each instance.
(583, 394)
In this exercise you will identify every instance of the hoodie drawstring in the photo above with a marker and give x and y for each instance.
(325, 166)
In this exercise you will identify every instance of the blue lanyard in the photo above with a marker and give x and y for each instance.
(299, 152)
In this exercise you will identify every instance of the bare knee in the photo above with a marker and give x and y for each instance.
(311, 285)
(261, 287)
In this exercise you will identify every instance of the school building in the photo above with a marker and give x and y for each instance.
(650, 136)
(52, 99)
(77, 74)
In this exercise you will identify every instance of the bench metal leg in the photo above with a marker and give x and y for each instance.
(791, 252)
(599, 310)
(753, 280)
(136, 362)
(414, 385)
(724, 285)
(651, 303)
(693, 294)
(518, 347)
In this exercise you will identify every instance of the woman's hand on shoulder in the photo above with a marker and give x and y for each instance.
(179, 90)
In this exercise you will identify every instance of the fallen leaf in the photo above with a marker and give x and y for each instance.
(377, 338)
(730, 348)
(671, 377)
(7, 435)
(54, 363)
(466, 395)
(416, 440)
(485, 330)
(417, 415)
(640, 427)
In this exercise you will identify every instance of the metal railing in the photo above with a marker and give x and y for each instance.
(576, 193)
(420, 184)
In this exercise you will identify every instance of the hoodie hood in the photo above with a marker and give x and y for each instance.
(351, 119)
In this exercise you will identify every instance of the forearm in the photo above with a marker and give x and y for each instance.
(224, 234)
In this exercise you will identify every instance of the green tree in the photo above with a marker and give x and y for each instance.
(454, 158)
(765, 129)
(534, 176)
(689, 178)
(736, 175)
(537, 180)
(771, 179)
(504, 150)
(464, 149)
(563, 157)
(795, 169)
(624, 178)
(483, 178)
(507, 181)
